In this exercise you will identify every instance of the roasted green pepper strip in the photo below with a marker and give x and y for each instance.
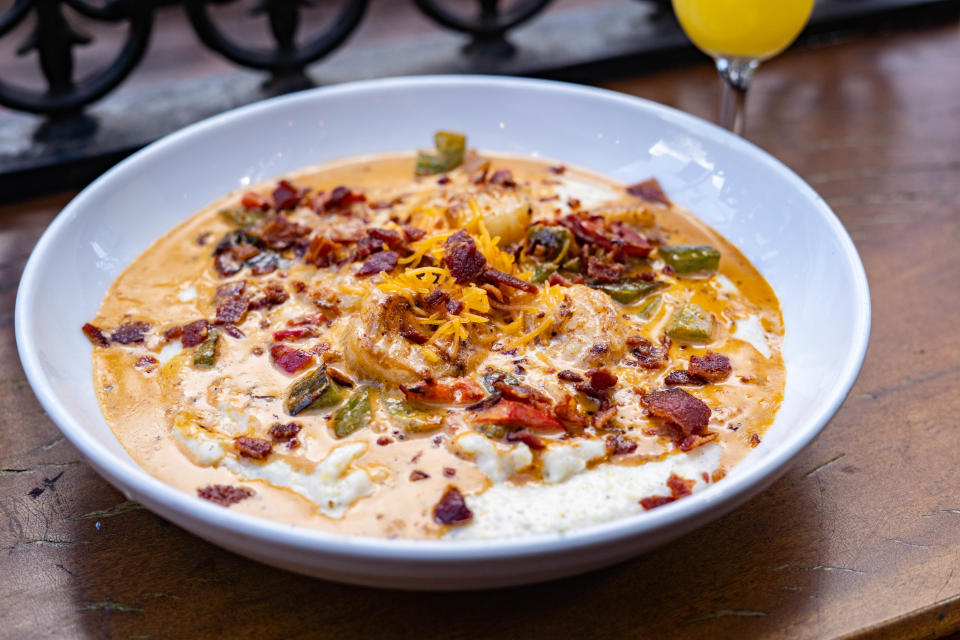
(648, 308)
(690, 259)
(555, 241)
(492, 431)
(487, 380)
(690, 323)
(631, 290)
(542, 272)
(355, 414)
(206, 353)
(313, 390)
(242, 217)
(450, 148)
(412, 419)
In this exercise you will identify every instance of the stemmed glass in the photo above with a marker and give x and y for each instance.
(739, 35)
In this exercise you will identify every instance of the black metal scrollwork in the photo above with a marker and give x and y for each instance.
(287, 61)
(489, 28)
(54, 39)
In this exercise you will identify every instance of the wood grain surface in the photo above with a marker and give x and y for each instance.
(861, 538)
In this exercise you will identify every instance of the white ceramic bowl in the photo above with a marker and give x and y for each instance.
(778, 221)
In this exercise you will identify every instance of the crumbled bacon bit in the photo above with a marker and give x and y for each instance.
(383, 261)
(194, 333)
(454, 307)
(320, 251)
(754, 440)
(286, 196)
(649, 355)
(294, 334)
(313, 319)
(335, 374)
(414, 336)
(650, 191)
(435, 299)
(679, 378)
(204, 237)
(147, 363)
(253, 200)
(232, 330)
(255, 448)
(272, 294)
(279, 233)
(679, 488)
(522, 393)
(597, 384)
(570, 376)
(501, 278)
(290, 359)
(95, 335)
(130, 332)
(242, 251)
(557, 280)
(503, 178)
(689, 413)
(602, 417)
(384, 441)
(452, 509)
(339, 199)
(526, 438)
(714, 367)
(462, 257)
(417, 475)
(231, 289)
(412, 234)
(224, 494)
(604, 271)
(655, 501)
(389, 236)
(558, 170)
(589, 229)
(232, 311)
(573, 203)
(280, 431)
(692, 442)
(629, 241)
(172, 333)
(618, 445)
(449, 472)
(568, 412)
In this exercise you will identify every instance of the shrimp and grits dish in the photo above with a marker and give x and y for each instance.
(446, 344)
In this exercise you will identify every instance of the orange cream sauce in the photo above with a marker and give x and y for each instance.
(173, 283)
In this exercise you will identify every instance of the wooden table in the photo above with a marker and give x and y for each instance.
(860, 538)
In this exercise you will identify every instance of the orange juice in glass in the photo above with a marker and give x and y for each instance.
(739, 34)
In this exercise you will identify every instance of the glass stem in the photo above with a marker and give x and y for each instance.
(735, 73)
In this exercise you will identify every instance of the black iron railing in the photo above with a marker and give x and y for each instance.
(54, 39)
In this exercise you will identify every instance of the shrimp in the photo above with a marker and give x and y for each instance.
(382, 345)
(592, 334)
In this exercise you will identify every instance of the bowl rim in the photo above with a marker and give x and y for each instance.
(701, 503)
